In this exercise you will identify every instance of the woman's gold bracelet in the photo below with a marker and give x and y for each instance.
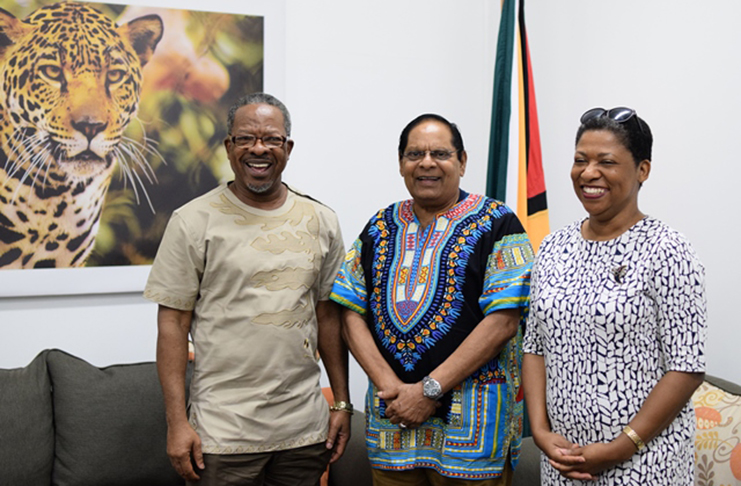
(633, 435)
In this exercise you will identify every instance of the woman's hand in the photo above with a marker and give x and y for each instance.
(562, 454)
(662, 406)
(594, 458)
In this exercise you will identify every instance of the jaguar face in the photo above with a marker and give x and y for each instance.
(70, 81)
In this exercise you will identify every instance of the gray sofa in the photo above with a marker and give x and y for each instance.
(65, 422)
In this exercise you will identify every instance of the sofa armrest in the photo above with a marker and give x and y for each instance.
(26, 427)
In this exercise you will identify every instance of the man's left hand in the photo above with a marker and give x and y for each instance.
(409, 407)
(339, 433)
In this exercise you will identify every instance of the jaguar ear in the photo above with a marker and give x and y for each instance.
(11, 29)
(144, 33)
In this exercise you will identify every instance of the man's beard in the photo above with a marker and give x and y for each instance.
(260, 189)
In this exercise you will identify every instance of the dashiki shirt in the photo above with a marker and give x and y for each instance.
(611, 318)
(422, 292)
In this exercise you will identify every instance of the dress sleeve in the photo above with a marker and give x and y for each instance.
(679, 286)
(349, 286)
(175, 277)
(507, 275)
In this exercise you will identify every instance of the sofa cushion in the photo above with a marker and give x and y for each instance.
(717, 446)
(110, 424)
(527, 472)
(26, 429)
(353, 468)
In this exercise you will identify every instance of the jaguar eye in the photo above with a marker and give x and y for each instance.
(52, 72)
(115, 75)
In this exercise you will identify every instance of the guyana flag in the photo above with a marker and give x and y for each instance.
(515, 172)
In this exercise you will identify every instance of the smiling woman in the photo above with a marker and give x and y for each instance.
(618, 314)
(606, 180)
(610, 166)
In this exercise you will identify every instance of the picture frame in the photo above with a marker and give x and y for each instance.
(132, 278)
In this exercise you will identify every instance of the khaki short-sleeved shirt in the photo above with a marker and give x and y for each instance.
(252, 278)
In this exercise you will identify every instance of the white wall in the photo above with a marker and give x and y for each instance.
(677, 64)
(357, 72)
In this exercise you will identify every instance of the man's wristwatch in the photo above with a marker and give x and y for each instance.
(431, 388)
(342, 407)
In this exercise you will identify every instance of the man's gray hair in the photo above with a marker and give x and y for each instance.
(255, 99)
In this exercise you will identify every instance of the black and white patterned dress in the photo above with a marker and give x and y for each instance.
(611, 318)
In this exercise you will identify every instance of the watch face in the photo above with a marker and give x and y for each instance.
(431, 388)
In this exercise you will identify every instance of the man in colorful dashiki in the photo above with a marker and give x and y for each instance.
(434, 291)
(247, 269)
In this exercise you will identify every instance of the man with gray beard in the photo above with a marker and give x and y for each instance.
(246, 270)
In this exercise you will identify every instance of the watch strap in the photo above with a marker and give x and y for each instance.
(342, 407)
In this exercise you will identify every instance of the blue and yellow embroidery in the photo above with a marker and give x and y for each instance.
(414, 303)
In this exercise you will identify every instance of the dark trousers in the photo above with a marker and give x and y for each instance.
(292, 467)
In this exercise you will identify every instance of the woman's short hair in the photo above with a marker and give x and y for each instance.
(634, 133)
(404, 138)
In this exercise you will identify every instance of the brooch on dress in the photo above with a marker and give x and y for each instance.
(618, 273)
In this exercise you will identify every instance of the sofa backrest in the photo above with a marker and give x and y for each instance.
(66, 422)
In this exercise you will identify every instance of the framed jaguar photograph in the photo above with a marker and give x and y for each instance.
(111, 117)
